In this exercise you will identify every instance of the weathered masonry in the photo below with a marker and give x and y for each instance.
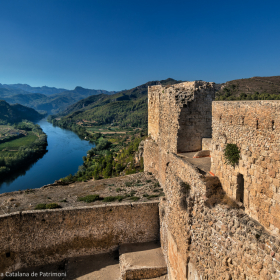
(224, 225)
(33, 238)
(255, 127)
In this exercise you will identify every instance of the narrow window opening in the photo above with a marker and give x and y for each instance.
(220, 118)
(242, 121)
(240, 188)
(8, 255)
(257, 124)
(272, 125)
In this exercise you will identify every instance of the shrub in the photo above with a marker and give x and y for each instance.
(40, 206)
(231, 154)
(114, 198)
(52, 206)
(109, 198)
(89, 198)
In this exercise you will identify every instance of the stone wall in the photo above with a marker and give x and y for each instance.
(180, 115)
(153, 118)
(204, 233)
(207, 144)
(34, 238)
(254, 126)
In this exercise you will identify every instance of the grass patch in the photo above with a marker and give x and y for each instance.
(17, 143)
(114, 198)
(52, 206)
(89, 198)
(42, 206)
(128, 184)
(119, 189)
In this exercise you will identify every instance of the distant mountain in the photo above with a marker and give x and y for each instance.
(17, 113)
(125, 108)
(53, 103)
(27, 88)
(255, 88)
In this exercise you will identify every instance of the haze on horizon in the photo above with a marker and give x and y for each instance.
(116, 45)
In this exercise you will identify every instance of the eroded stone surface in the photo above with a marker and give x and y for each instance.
(205, 234)
(254, 126)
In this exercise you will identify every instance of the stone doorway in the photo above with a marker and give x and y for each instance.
(240, 188)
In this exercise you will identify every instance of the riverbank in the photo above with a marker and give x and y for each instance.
(21, 144)
(64, 155)
(115, 154)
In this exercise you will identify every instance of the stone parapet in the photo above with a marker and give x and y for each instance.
(33, 238)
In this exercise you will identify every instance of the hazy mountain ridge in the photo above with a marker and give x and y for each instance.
(27, 88)
(52, 103)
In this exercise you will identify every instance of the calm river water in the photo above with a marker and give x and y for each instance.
(64, 156)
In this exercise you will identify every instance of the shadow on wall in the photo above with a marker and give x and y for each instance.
(98, 266)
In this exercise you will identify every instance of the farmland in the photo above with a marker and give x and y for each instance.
(20, 143)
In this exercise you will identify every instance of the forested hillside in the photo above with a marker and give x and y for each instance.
(17, 113)
(125, 109)
(255, 88)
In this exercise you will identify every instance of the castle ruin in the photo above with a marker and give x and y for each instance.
(216, 221)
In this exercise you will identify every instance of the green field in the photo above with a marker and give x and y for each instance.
(17, 143)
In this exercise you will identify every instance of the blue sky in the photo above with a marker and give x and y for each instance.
(117, 45)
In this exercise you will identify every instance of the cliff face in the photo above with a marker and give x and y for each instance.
(206, 231)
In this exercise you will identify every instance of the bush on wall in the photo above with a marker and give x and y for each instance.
(232, 154)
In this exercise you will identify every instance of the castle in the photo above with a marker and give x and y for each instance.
(216, 221)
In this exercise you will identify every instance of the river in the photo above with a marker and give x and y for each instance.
(64, 155)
